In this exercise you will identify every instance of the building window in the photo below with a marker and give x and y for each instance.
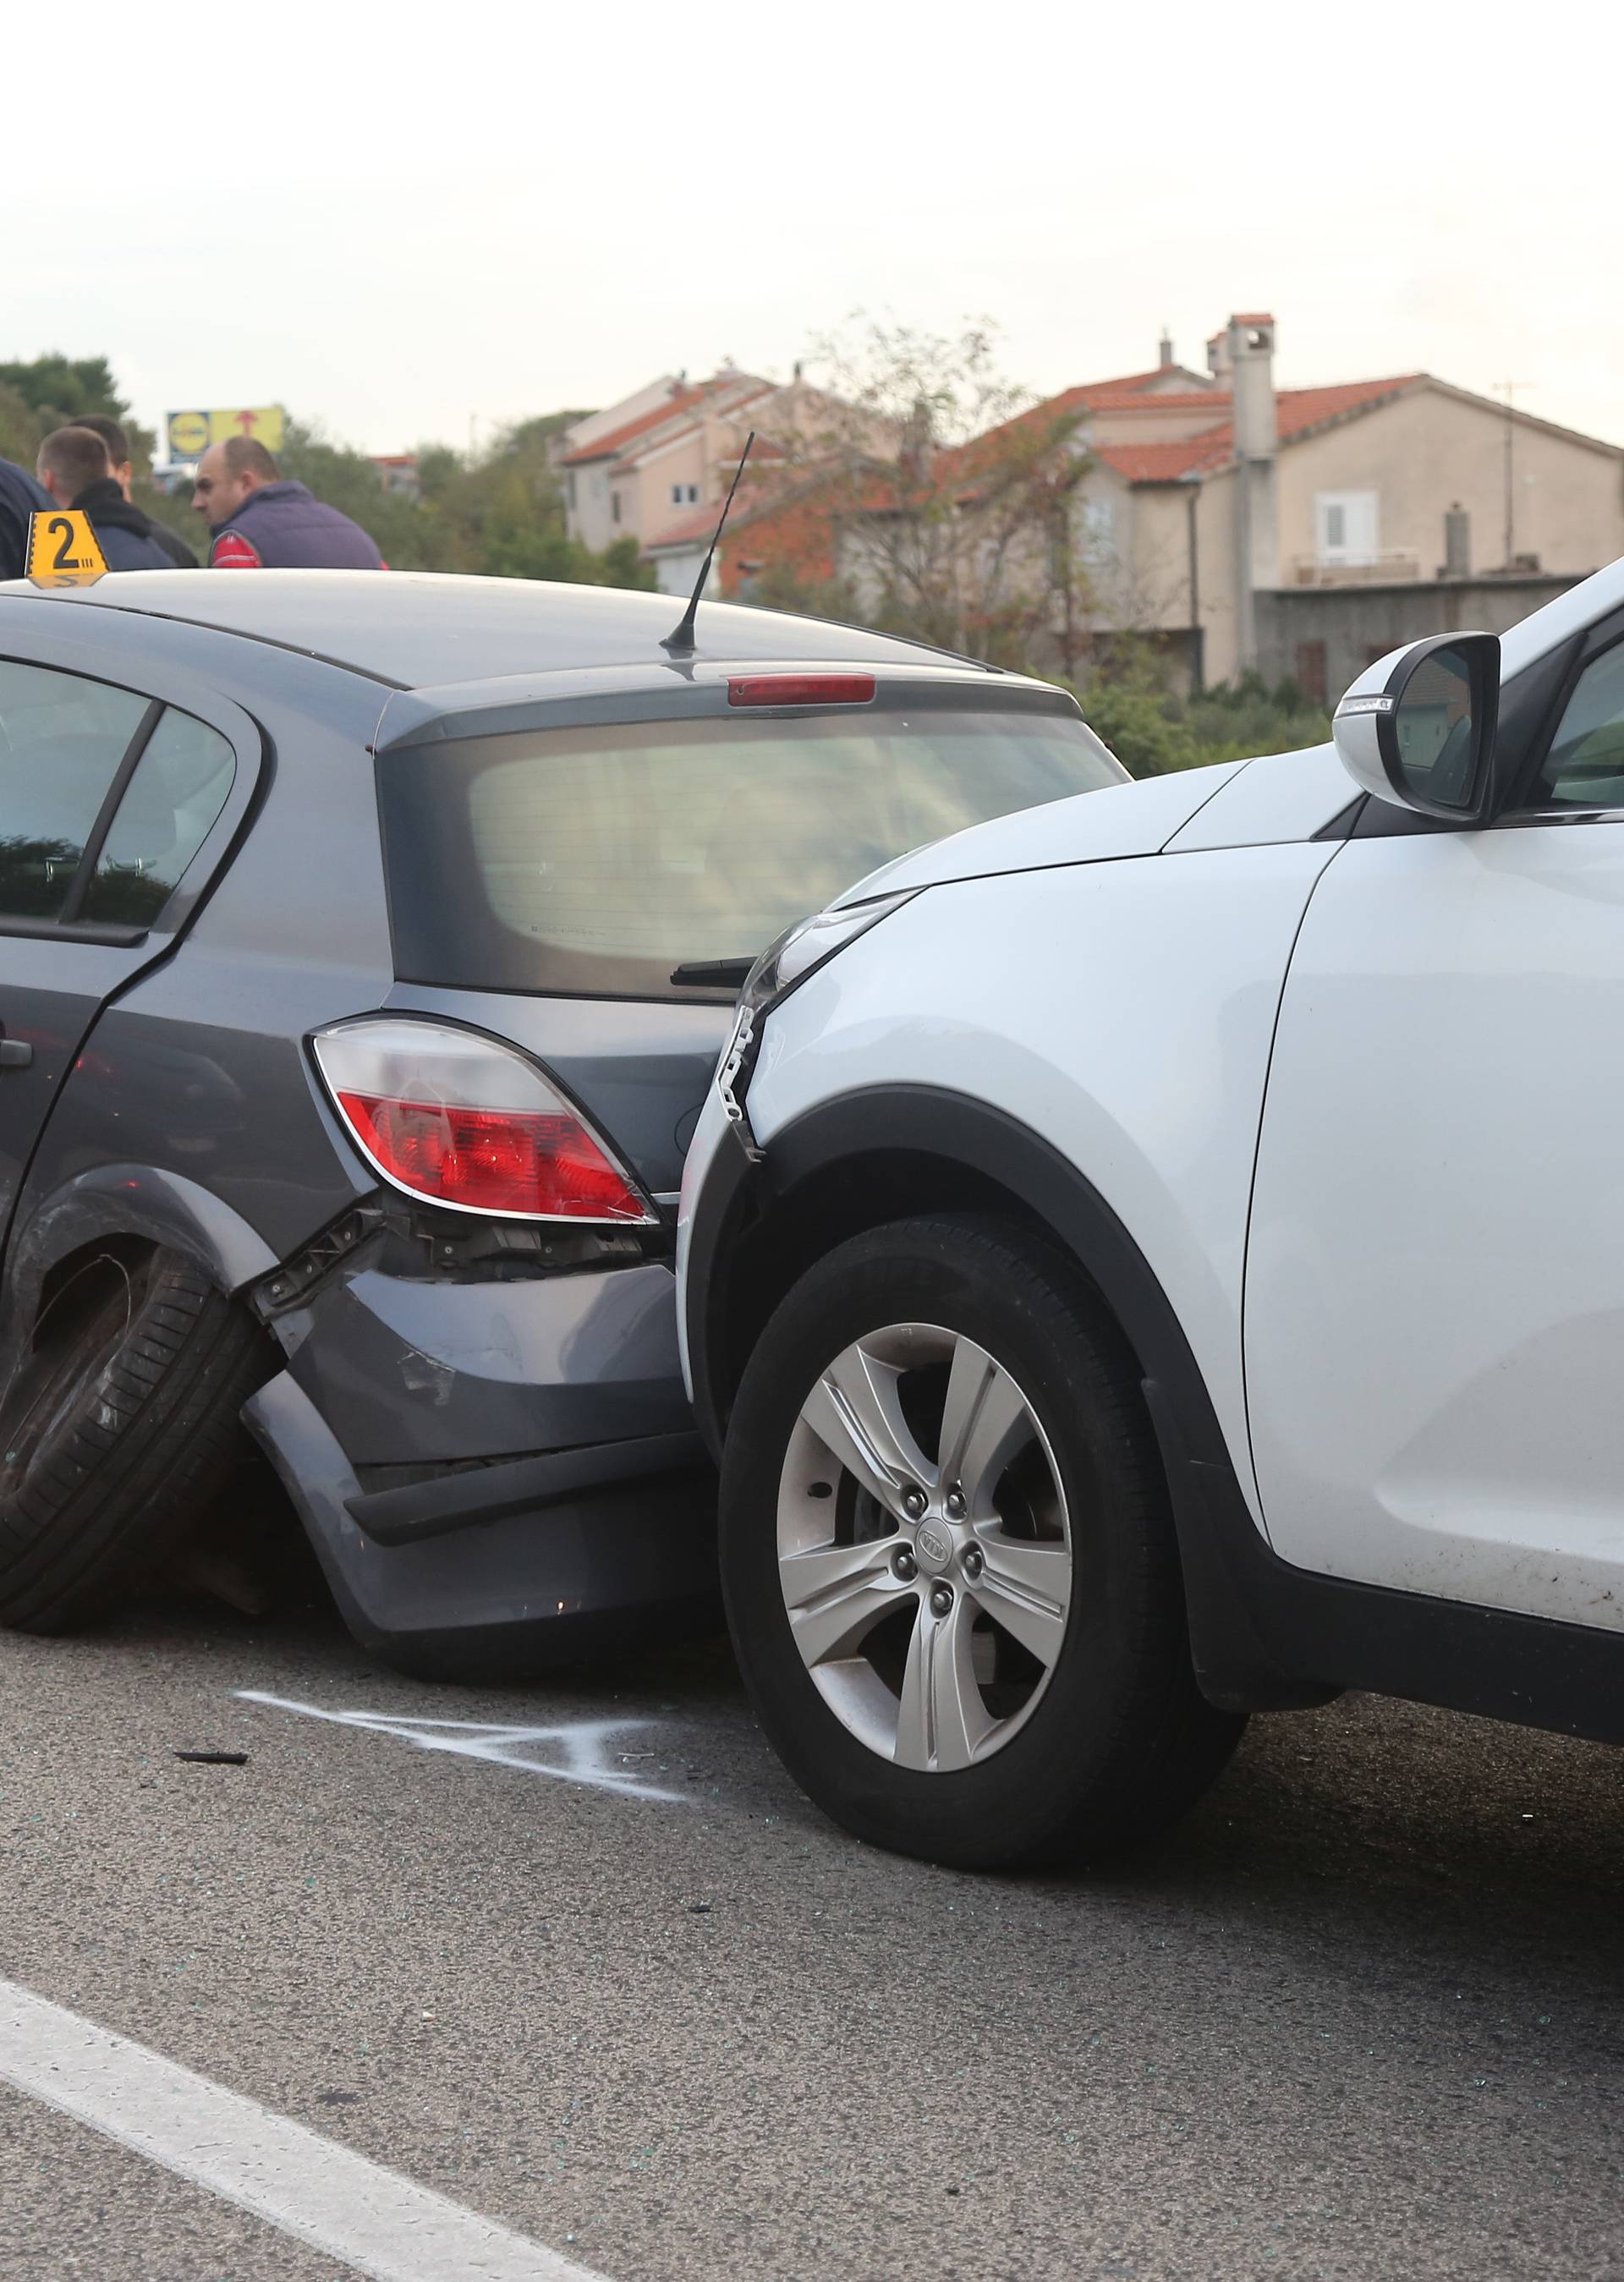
(1345, 527)
(676, 495)
(693, 494)
(614, 507)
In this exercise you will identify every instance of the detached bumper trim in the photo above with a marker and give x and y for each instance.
(425, 1510)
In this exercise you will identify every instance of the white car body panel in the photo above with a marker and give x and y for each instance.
(1126, 1020)
(1282, 796)
(1434, 1307)
(1092, 827)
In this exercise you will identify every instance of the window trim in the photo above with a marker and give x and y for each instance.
(95, 839)
(254, 764)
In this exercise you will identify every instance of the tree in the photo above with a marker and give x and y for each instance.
(61, 388)
(950, 493)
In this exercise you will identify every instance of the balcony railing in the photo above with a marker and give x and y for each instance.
(1396, 567)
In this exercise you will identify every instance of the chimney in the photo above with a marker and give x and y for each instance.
(1217, 358)
(1248, 363)
(1165, 351)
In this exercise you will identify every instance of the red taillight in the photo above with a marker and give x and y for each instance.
(462, 1119)
(499, 1161)
(800, 689)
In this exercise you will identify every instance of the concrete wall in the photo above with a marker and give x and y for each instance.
(1358, 623)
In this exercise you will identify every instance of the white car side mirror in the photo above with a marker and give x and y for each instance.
(1418, 727)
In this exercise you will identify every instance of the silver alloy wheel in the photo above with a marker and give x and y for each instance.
(924, 1546)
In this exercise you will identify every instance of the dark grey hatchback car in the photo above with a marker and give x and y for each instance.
(366, 946)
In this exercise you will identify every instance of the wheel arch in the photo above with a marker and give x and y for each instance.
(123, 1204)
(890, 1153)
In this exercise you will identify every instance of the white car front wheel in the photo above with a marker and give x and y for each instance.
(948, 1558)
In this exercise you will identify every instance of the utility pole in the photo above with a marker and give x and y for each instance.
(1509, 389)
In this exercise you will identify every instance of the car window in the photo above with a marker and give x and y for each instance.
(179, 788)
(61, 740)
(1585, 766)
(601, 859)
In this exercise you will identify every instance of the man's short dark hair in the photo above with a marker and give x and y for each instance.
(111, 434)
(77, 457)
(245, 455)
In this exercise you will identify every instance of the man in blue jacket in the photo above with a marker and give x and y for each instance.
(260, 522)
(75, 467)
(20, 499)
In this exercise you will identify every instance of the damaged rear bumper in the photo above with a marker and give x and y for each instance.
(496, 1476)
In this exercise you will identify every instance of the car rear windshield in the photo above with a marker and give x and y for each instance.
(597, 861)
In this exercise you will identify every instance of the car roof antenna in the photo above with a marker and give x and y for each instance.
(680, 642)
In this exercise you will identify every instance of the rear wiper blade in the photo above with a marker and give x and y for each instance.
(718, 973)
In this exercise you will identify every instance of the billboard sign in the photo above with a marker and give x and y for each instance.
(191, 433)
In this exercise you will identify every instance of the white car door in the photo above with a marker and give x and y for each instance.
(1434, 1297)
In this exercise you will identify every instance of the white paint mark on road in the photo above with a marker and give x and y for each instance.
(578, 1753)
(369, 2219)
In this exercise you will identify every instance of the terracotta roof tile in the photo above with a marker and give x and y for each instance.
(680, 401)
(604, 448)
(1155, 463)
(1297, 410)
(1306, 408)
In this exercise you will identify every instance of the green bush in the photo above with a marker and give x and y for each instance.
(1153, 732)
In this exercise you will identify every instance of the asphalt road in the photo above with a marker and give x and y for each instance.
(1361, 2016)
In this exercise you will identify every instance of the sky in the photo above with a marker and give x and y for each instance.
(417, 224)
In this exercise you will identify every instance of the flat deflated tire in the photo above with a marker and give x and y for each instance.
(949, 1559)
(118, 1427)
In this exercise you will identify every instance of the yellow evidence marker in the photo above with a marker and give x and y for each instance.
(62, 549)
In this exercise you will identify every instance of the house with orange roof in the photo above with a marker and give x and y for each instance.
(645, 465)
(1304, 531)
(1238, 524)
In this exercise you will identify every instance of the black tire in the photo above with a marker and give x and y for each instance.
(117, 1428)
(1122, 1742)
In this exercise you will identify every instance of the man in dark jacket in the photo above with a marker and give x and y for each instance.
(74, 469)
(20, 499)
(123, 473)
(260, 522)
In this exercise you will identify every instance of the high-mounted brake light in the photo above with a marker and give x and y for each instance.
(460, 1120)
(800, 689)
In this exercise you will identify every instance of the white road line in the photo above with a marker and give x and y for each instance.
(367, 2217)
(583, 1742)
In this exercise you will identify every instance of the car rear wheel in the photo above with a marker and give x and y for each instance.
(119, 1427)
(948, 1557)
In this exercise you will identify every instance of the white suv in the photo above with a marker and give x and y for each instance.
(1161, 1256)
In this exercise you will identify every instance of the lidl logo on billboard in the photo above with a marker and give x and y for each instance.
(191, 433)
(188, 435)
